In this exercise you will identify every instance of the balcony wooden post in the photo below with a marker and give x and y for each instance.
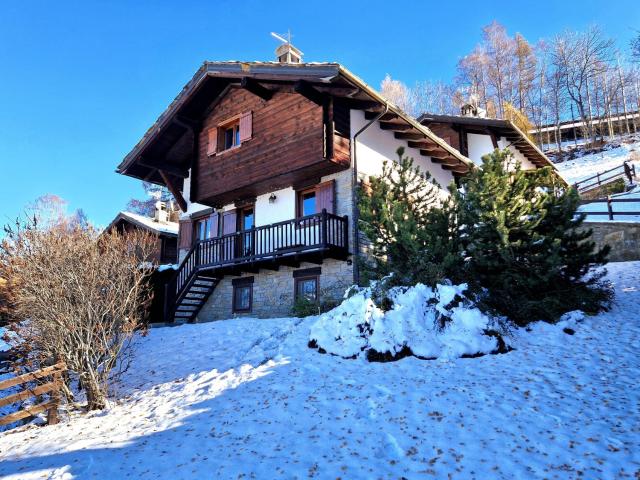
(345, 232)
(324, 228)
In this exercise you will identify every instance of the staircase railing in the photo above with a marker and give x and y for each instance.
(312, 232)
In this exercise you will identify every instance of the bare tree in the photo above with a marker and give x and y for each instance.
(77, 296)
(433, 97)
(397, 93)
(500, 52)
(579, 58)
(525, 69)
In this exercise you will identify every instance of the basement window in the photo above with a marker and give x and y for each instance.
(242, 294)
(307, 288)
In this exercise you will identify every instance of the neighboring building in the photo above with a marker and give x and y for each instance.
(263, 160)
(476, 136)
(161, 225)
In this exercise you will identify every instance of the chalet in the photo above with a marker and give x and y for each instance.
(263, 159)
(162, 226)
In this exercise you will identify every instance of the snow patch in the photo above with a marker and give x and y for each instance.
(429, 322)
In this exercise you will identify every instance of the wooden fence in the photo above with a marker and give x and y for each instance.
(52, 387)
(609, 207)
(626, 169)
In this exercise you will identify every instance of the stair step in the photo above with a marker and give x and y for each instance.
(187, 308)
(192, 301)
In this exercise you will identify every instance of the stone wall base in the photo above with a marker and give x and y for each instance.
(273, 291)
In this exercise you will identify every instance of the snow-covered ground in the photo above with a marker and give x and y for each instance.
(247, 399)
(588, 165)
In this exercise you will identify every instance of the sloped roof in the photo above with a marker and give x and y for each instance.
(149, 224)
(212, 78)
(505, 128)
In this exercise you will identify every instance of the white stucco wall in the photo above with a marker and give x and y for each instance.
(186, 193)
(284, 207)
(517, 155)
(479, 145)
(375, 145)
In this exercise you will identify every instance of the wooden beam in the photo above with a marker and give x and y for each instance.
(177, 194)
(396, 127)
(251, 85)
(175, 171)
(305, 89)
(408, 136)
(327, 120)
(363, 104)
(424, 144)
(494, 139)
(435, 153)
(387, 116)
(188, 123)
(455, 168)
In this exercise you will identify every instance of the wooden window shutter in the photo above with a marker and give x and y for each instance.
(185, 233)
(325, 196)
(213, 232)
(212, 141)
(246, 126)
(229, 222)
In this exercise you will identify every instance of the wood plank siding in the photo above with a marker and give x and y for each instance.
(286, 148)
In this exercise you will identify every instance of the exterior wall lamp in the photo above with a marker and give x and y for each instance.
(272, 198)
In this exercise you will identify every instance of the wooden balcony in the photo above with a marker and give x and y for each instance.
(305, 239)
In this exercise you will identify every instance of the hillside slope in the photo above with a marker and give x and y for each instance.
(247, 399)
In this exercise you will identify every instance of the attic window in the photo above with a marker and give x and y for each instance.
(230, 133)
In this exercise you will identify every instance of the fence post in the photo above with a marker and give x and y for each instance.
(52, 413)
(609, 207)
(345, 227)
(598, 175)
(627, 172)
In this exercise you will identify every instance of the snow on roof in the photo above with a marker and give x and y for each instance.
(169, 228)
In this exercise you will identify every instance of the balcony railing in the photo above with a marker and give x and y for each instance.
(320, 232)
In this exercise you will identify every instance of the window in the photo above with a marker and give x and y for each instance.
(202, 228)
(242, 294)
(246, 222)
(307, 202)
(315, 199)
(307, 287)
(231, 135)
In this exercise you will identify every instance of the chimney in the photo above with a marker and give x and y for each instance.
(286, 52)
(472, 109)
(161, 215)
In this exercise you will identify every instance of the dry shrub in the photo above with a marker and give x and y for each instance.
(76, 295)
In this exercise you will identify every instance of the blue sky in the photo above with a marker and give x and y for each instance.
(80, 82)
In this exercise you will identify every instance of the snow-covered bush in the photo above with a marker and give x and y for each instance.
(421, 321)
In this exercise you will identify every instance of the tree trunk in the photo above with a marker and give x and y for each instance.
(96, 399)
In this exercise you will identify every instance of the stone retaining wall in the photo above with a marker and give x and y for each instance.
(622, 237)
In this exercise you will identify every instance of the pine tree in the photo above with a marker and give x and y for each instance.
(396, 211)
(524, 244)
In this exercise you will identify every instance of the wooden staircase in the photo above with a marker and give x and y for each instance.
(194, 295)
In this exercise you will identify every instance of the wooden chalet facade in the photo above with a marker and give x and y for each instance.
(263, 159)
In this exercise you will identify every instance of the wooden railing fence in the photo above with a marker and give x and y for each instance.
(626, 169)
(610, 203)
(52, 387)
